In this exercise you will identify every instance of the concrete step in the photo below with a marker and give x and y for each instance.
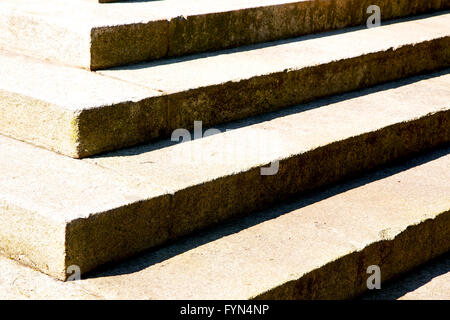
(92, 211)
(396, 218)
(80, 113)
(94, 36)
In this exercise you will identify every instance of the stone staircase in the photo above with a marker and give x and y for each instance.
(240, 149)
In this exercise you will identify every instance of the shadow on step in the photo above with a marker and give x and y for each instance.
(236, 225)
(275, 43)
(277, 114)
(414, 280)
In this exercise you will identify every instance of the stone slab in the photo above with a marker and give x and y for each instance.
(56, 211)
(80, 113)
(396, 218)
(95, 36)
(73, 111)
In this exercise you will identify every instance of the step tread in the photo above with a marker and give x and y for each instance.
(250, 257)
(61, 109)
(64, 31)
(142, 197)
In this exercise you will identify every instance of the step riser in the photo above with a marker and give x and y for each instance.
(113, 45)
(122, 232)
(346, 277)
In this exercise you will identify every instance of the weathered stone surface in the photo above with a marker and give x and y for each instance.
(18, 282)
(91, 35)
(42, 193)
(73, 111)
(396, 218)
(79, 113)
(89, 212)
(224, 87)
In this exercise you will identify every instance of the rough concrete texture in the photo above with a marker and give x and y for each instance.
(79, 113)
(92, 35)
(89, 212)
(73, 111)
(429, 282)
(396, 218)
(18, 282)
